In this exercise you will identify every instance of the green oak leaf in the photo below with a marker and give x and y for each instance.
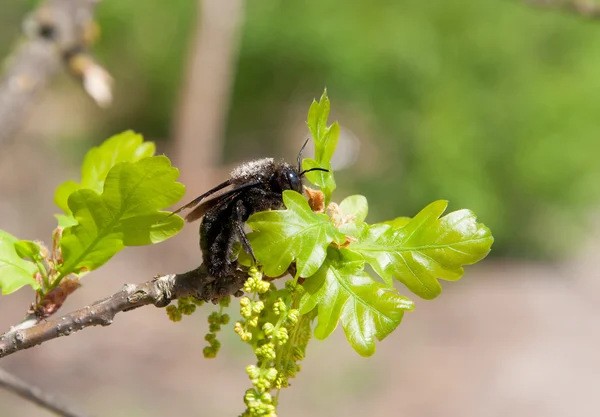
(62, 193)
(344, 292)
(352, 213)
(326, 139)
(65, 220)
(15, 272)
(323, 180)
(355, 206)
(295, 234)
(425, 248)
(124, 147)
(125, 214)
(26, 249)
(398, 222)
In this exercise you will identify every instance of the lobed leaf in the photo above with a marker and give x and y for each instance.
(419, 251)
(124, 147)
(326, 139)
(127, 213)
(398, 222)
(355, 206)
(26, 249)
(295, 234)
(323, 180)
(351, 214)
(15, 272)
(62, 193)
(344, 292)
(65, 221)
(318, 113)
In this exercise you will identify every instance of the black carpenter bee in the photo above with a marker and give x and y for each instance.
(256, 186)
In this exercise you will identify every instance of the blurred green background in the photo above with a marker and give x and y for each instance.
(490, 104)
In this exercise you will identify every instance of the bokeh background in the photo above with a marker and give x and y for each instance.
(491, 104)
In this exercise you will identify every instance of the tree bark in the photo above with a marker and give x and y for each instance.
(159, 292)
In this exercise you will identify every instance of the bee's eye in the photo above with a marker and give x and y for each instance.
(293, 180)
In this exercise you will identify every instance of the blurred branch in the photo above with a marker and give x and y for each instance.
(59, 32)
(159, 292)
(35, 395)
(206, 92)
(586, 8)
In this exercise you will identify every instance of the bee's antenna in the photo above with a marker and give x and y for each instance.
(300, 154)
(313, 169)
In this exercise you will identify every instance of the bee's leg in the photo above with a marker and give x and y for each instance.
(238, 213)
(244, 240)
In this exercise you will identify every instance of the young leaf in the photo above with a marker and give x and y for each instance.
(351, 214)
(15, 272)
(398, 222)
(65, 221)
(124, 147)
(426, 248)
(62, 193)
(323, 180)
(297, 233)
(355, 206)
(26, 249)
(343, 292)
(318, 113)
(326, 140)
(125, 214)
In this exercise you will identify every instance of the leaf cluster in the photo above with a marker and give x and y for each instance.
(325, 139)
(330, 251)
(117, 203)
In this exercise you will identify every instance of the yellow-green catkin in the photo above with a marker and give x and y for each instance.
(273, 327)
(215, 320)
(186, 306)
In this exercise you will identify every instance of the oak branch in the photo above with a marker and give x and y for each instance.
(159, 292)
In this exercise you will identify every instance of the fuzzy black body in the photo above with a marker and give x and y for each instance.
(256, 186)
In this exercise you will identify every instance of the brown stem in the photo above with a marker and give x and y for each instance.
(36, 395)
(59, 32)
(160, 291)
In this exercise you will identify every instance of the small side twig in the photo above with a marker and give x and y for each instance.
(36, 395)
(59, 33)
(585, 8)
(158, 292)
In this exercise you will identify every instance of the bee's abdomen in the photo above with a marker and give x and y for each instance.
(217, 237)
(221, 227)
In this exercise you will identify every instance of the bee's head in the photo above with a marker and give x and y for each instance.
(289, 178)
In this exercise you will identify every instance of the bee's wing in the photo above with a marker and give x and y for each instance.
(200, 210)
(222, 199)
(197, 200)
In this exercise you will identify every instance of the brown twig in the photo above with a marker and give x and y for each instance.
(36, 395)
(585, 8)
(59, 32)
(159, 292)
